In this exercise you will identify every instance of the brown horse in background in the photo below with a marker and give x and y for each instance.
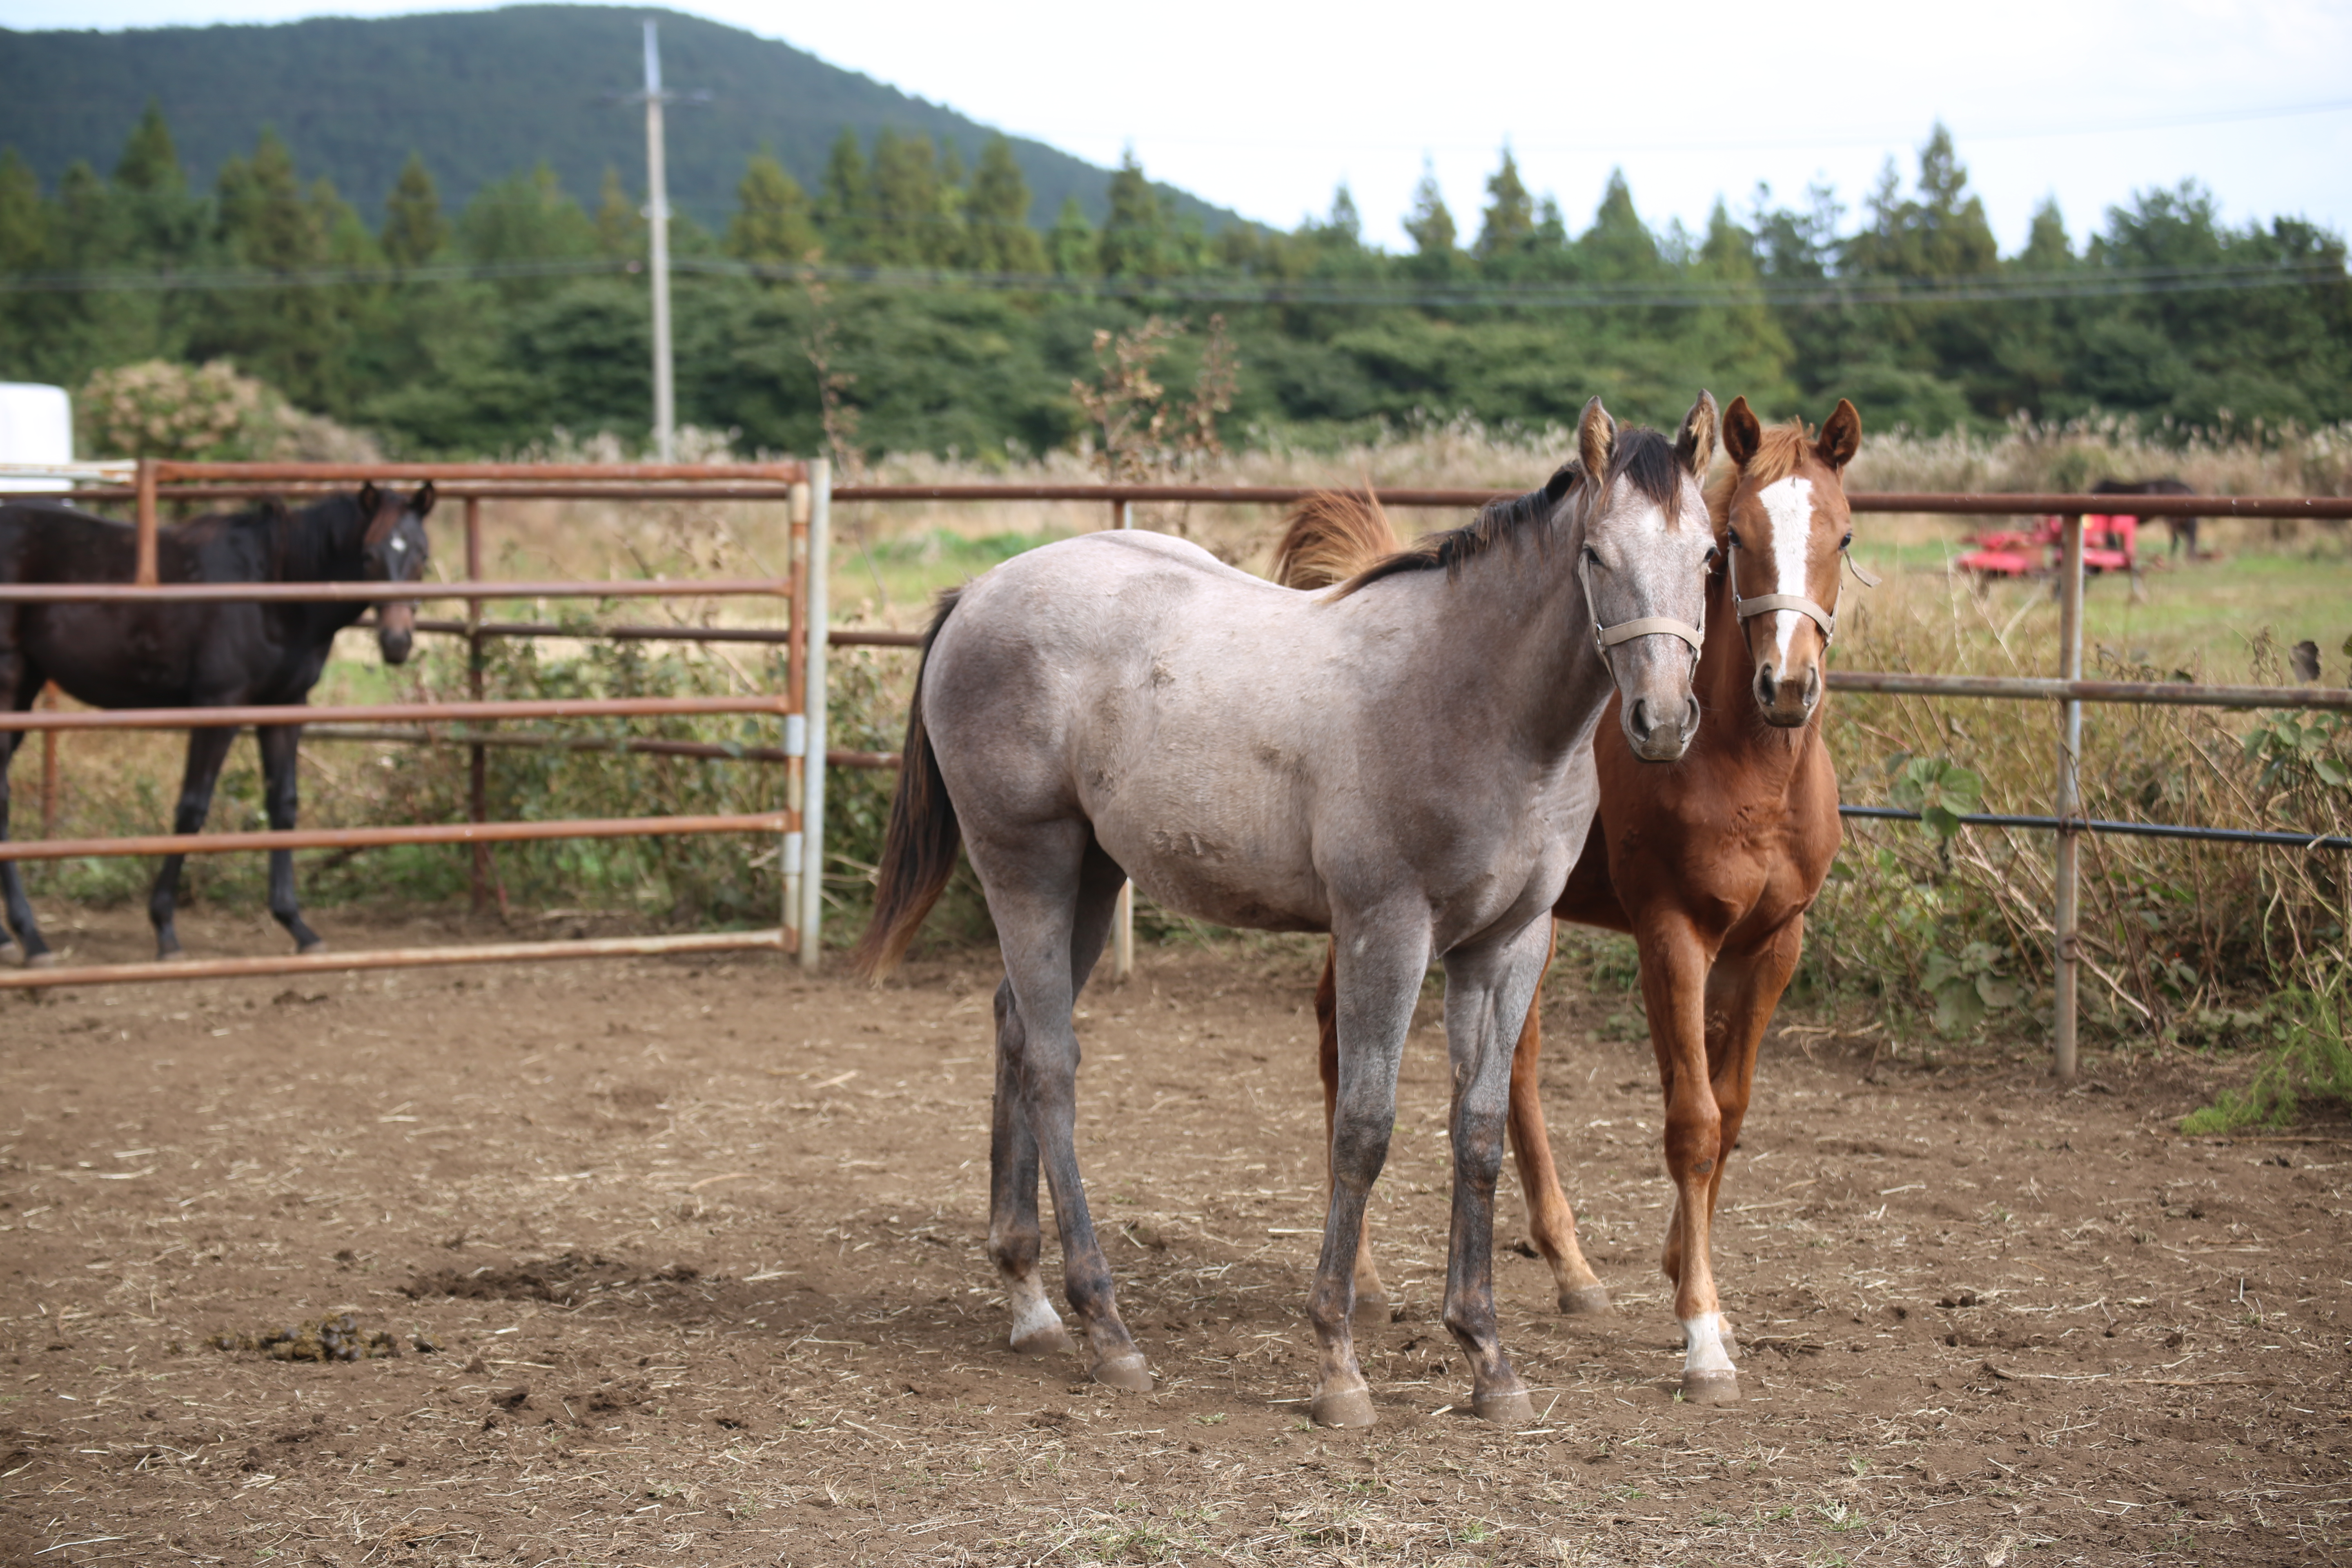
(1710, 862)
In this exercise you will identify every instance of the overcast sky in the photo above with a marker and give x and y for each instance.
(1265, 107)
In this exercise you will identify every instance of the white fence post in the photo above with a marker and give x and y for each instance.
(812, 708)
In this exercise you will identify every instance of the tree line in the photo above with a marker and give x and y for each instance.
(950, 322)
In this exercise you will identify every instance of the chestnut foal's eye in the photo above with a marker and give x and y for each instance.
(1847, 542)
(1733, 535)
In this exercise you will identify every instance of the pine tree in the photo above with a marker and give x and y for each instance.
(845, 200)
(23, 221)
(413, 230)
(1430, 224)
(1139, 239)
(149, 162)
(620, 226)
(1510, 217)
(998, 237)
(1619, 246)
(911, 222)
(1072, 246)
(1345, 224)
(771, 223)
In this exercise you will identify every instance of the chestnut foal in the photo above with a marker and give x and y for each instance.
(1710, 862)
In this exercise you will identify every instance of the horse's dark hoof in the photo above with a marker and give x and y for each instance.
(316, 944)
(173, 955)
(42, 960)
(1343, 1407)
(1504, 1407)
(1585, 1300)
(1710, 1388)
(1127, 1371)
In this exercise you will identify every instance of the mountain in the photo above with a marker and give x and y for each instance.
(481, 94)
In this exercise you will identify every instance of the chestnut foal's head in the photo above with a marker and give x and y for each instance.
(1782, 513)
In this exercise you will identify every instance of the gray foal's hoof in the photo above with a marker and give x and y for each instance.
(1586, 1300)
(1508, 1408)
(1710, 1388)
(1342, 1407)
(1128, 1371)
(1050, 1339)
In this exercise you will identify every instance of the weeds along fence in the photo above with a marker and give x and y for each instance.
(797, 825)
(2061, 924)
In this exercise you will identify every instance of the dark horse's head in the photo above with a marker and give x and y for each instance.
(394, 550)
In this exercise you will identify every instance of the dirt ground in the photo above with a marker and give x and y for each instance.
(699, 1244)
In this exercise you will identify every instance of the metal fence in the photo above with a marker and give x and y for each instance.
(800, 826)
(801, 709)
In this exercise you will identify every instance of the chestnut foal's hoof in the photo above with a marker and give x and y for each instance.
(1585, 1300)
(1710, 1388)
(1343, 1407)
(1510, 1407)
(1128, 1371)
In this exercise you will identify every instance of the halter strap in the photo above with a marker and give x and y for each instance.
(1607, 638)
(1765, 603)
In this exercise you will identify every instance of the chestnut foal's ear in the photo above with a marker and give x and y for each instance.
(423, 503)
(1841, 438)
(1695, 448)
(1596, 440)
(370, 501)
(1743, 432)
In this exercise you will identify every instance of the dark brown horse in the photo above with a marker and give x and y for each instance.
(1710, 862)
(2183, 529)
(198, 656)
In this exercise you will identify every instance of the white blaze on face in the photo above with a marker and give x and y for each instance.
(1789, 504)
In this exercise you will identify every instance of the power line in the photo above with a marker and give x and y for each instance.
(2089, 283)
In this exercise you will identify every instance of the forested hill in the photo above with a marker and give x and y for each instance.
(480, 95)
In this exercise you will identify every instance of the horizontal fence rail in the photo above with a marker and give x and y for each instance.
(415, 712)
(374, 593)
(774, 938)
(2154, 693)
(2124, 829)
(383, 838)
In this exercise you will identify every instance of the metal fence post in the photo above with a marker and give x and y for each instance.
(812, 708)
(478, 765)
(1122, 920)
(142, 570)
(2068, 915)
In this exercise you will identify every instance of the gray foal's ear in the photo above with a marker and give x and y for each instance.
(1596, 440)
(1695, 448)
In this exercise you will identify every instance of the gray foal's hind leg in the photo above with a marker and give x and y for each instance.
(1053, 918)
(1013, 1232)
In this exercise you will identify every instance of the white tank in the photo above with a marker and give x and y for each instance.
(35, 426)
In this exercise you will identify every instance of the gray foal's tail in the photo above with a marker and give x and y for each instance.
(918, 848)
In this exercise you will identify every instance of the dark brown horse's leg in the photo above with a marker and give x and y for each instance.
(1013, 1237)
(207, 749)
(1371, 1297)
(1675, 963)
(1551, 1223)
(281, 743)
(20, 684)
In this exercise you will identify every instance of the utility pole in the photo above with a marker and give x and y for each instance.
(657, 219)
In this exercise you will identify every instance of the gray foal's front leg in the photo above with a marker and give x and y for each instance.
(280, 745)
(1379, 973)
(207, 749)
(1489, 989)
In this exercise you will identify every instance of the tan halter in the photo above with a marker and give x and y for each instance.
(1765, 603)
(1608, 638)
